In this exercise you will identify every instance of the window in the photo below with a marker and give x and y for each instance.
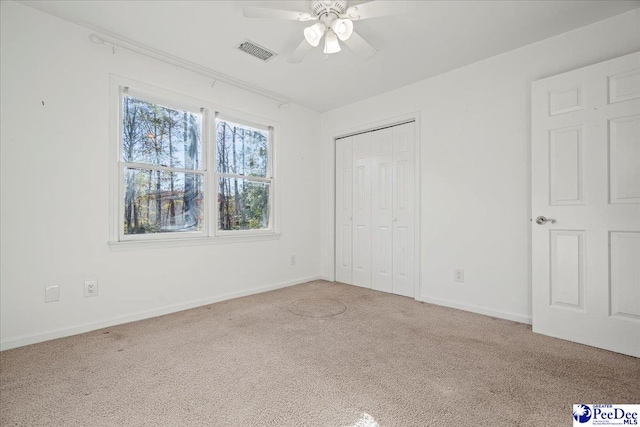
(244, 176)
(162, 166)
(165, 189)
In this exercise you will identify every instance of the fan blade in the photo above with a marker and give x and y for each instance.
(301, 51)
(375, 9)
(291, 15)
(360, 46)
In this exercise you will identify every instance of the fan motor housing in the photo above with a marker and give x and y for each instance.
(323, 7)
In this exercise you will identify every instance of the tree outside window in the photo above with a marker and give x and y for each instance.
(244, 176)
(183, 174)
(162, 165)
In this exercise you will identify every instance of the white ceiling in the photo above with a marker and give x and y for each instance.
(439, 36)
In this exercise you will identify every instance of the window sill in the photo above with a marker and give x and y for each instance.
(194, 241)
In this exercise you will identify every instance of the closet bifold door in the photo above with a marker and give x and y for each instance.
(362, 210)
(375, 210)
(381, 210)
(403, 189)
(344, 200)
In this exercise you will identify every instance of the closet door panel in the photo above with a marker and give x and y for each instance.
(403, 189)
(362, 210)
(344, 202)
(381, 210)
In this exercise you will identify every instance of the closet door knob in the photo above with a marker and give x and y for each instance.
(395, 219)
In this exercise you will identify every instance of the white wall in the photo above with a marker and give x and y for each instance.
(475, 165)
(55, 190)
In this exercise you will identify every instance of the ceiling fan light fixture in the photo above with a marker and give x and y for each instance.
(343, 28)
(314, 33)
(331, 43)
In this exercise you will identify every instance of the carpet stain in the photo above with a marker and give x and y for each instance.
(317, 307)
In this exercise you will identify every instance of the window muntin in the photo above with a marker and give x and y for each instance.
(245, 179)
(163, 174)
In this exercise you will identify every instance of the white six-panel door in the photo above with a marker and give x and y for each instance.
(381, 214)
(586, 184)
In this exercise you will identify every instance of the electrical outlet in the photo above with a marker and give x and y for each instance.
(52, 293)
(293, 260)
(458, 275)
(90, 288)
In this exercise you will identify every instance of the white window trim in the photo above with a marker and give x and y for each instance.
(210, 234)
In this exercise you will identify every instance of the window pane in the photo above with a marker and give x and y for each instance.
(162, 202)
(158, 135)
(242, 204)
(241, 150)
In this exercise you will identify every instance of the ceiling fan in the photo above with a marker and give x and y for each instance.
(335, 24)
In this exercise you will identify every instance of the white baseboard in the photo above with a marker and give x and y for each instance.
(66, 332)
(515, 317)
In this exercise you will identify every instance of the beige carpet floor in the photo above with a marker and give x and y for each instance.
(317, 354)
